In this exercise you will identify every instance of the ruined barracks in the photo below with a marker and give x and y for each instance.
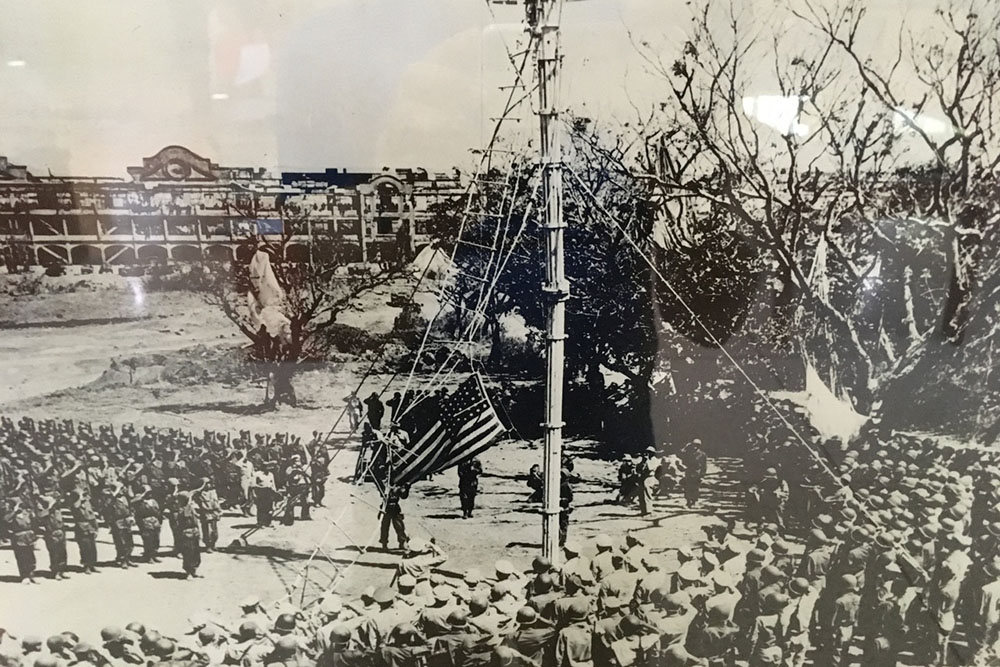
(179, 207)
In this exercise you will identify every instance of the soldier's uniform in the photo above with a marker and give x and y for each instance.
(209, 512)
(695, 466)
(264, 493)
(885, 632)
(565, 502)
(603, 563)
(297, 492)
(22, 539)
(645, 481)
(748, 606)
(462, 644)
(773, 496)
(86, 533)
(119, 519)
(575, 642)
(796, 618)
(468, 485)
(147, 516)
(532, 637)
(768, 637)
(713, 637)
(171, 506)
(834, 636)
(319, 473)
(984, 619)
(433, 620)
(392, 516)
(187, 520)
(50, 523)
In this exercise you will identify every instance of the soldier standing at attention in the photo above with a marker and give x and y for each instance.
(22, 538)
(209, 511)
(536, 484)
(695, 465)
(773, 497)
(319, 471)
(147, 515)
(50, 523)
(394, 404)
(567, 479)
(186, 517)
(354, 409)
(297, 488)
(644, 480)
(86, 530)
(264, 493)
(118, 515)
(376, 410)
(468, 485)
(392, 515)
(170, 509)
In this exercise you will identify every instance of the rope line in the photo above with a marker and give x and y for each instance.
(736, 364)
(486, 157)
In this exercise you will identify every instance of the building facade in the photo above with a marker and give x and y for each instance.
(180, 207)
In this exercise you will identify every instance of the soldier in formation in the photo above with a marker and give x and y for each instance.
(60, 477)
(902, 565)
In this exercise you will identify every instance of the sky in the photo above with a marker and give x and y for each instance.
(90, 88)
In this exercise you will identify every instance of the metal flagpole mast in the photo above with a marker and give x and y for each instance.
(544, 16)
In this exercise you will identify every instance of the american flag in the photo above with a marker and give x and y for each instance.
(447, 432)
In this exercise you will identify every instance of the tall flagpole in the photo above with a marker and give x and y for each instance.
(543, 17)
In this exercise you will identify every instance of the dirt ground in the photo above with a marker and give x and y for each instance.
(53, 372)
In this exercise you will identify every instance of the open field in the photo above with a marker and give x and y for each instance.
(56, 371)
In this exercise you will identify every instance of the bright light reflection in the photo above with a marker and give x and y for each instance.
(138, 294)
(16, 63)
(906, 117)
(777, 111)
(220, 96)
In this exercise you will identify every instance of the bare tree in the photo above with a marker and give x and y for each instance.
(316, 290)
(856, 175)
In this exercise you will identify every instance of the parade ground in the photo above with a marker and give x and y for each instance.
(291, 563)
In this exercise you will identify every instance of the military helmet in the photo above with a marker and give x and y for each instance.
(248, 630)
(285, 647)
(111, 633)
(284, 623)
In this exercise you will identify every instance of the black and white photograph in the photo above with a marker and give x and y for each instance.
(489, 333)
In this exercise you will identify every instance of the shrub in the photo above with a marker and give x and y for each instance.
(186, 279)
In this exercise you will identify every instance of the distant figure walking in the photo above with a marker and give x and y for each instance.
(354, 409)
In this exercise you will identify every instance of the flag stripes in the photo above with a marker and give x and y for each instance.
(465, 425)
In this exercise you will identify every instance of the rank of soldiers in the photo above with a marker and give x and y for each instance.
(59, 478)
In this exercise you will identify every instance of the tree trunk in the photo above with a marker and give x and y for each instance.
(966, 241)
(496, 344)
(955, 316)
(284, 392)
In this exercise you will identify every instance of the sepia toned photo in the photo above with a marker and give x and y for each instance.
(488, 333)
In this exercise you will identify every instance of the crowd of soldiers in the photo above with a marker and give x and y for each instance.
(658, 474)
(892, 553)
(60, 475)
(902, 542)
(864, 590)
